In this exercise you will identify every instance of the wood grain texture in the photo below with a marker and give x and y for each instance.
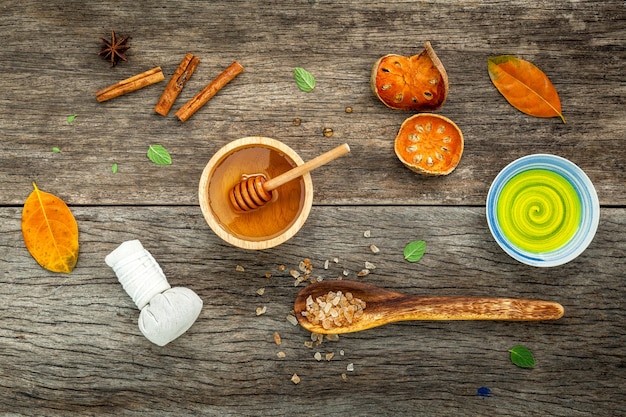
(70, 344)
(50, 72)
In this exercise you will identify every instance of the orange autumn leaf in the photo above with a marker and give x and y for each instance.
(50, 231)
(525, 86)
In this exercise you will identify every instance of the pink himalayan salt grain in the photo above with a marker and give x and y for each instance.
(333, 309)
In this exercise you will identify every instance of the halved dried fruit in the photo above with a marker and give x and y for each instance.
(416, 83)
(429, 144)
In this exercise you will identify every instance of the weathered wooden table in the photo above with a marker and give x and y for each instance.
(69, 343)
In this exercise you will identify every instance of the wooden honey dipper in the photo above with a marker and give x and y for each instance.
(256, 190)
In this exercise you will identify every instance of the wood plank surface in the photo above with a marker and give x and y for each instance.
(70, 344)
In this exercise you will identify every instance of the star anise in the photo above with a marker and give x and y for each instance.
(114, 51)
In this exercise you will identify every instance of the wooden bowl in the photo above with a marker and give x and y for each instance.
(270, 225)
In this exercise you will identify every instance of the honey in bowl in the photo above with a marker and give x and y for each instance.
(272, 218)
(274, 222)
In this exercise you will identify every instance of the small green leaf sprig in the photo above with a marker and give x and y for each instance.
(522, 356)
(304, 79)
(159, 155)
(414, 251)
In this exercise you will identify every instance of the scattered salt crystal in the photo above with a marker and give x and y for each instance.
(261, 310)
(294, 273)
(326, 262)
(341, 352)
(318, 356)
(329, 356)
(239, 268)
(332, 337)
(345, 273)
(336, 260)
(260, 291)
(350, 367)
(369, 265)
(281, 354)
(367, 233)
(308, 344)
(374, 248)
(292, 319)
(295, 379)
(344, 377)
(363, 272)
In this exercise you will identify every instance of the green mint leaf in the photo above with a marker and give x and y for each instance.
(56, 150)
(159, 155)
(304, 79)
(414, 251)
(71, 118)
(114, 168)
(522, 357)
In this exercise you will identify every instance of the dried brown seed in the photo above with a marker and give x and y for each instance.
(295, 379)
(327, 131)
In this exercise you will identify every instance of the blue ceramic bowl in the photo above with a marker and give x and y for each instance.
(548, 222)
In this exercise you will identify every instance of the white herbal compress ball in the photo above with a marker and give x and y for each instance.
(166, 312)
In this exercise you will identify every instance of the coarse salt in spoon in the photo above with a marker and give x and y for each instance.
(343, 306)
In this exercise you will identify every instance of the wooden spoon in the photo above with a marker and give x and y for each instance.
(385, 306)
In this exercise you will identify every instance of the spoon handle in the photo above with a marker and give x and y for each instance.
(473, 308)
(300, 170)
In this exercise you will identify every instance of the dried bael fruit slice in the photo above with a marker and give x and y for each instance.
(429, 144)
(416, 83)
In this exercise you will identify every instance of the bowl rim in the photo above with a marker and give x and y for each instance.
(590, 209)
(216, 226)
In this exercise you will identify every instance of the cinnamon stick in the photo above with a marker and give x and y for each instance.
(184, 71)
(209, 91)
(130, 84)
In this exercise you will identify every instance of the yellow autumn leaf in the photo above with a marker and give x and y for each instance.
(50, 231)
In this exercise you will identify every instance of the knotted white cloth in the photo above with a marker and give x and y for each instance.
(166, 312)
